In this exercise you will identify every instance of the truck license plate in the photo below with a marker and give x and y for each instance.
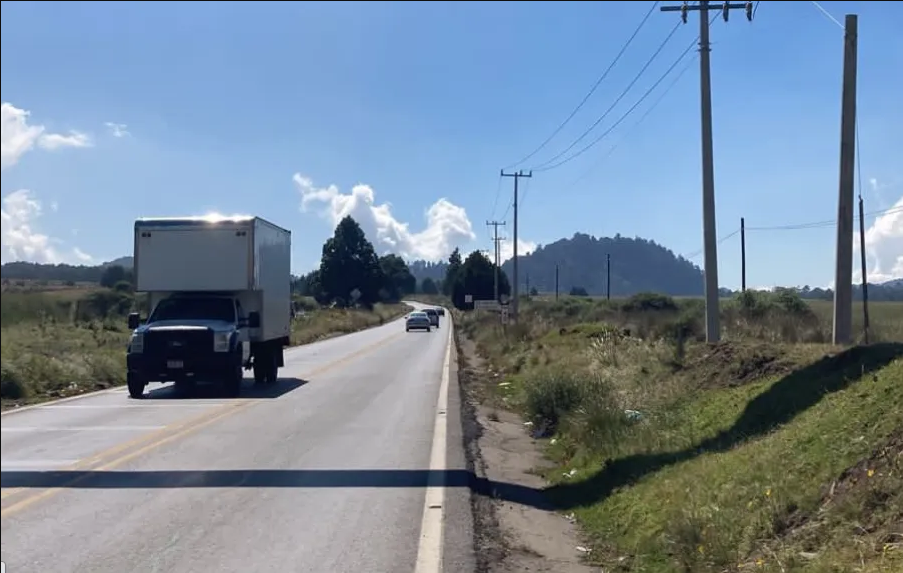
(174, 364)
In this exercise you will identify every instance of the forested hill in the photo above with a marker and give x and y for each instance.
(637, 265)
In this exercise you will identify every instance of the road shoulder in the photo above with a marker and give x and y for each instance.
(526, 535)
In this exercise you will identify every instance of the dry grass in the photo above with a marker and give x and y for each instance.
(48, 359)
(771, 451)
(325, 323)
(64, 342)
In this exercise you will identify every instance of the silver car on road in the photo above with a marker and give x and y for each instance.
(417, 320)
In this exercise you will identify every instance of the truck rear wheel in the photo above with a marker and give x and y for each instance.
(273, 371)
(260, 374)
(266, 368)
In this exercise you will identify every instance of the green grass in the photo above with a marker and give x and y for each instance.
(729, 464)
(738, 466)
(64, 342)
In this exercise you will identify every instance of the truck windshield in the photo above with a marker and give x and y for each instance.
(214, 308)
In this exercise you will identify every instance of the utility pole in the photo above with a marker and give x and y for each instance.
(710, 240)
(742, 254)
(515, 286)
(865, 282)
(556, 281)
(495, 242)
(843, 275)
(607, 276)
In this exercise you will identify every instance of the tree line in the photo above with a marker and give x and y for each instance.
(352, 274)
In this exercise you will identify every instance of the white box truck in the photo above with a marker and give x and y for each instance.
(219, 299)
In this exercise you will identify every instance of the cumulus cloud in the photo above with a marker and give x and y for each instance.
(883, 246)
(506, 249)
(19, 137)
(21, 241)
(21, 209)
(447, 225)
(117, 129)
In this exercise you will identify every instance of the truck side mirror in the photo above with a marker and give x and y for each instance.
(254, 319)
(134, 320)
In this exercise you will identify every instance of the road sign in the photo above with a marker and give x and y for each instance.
(486, 305)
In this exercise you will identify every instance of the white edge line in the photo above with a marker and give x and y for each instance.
(25, 429)
(59, 401)
(429, 548)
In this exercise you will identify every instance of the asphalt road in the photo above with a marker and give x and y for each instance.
(328, 471)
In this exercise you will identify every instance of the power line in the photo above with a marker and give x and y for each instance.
(823, 224)
(495, 202)
(827, 14)
(543, 166)
(592, 90)
(695, 254)
(636, 125)
(523, 197)
(628, 112)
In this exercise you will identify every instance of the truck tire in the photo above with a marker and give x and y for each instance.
(260, 373)
(232, 383)
(272, 374)
(136, 386)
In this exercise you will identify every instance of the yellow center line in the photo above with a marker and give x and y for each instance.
(154, 440)
(156, 435)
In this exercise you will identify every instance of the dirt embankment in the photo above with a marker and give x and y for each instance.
(516, 529)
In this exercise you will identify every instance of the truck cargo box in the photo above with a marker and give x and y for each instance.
(247, 256)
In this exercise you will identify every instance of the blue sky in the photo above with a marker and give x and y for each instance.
(280, 109)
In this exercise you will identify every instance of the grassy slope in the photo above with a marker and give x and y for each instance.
(740, 459)
(50, 357)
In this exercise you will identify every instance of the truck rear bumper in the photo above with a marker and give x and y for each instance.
(165, 369)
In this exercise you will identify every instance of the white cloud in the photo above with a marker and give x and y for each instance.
(18, 137)
(447, 225)
(506, 249)
(22, 242)
(82, 256)
(52, 141)
(117, 129)
(880, 190)
(883, 246)
(21, 209)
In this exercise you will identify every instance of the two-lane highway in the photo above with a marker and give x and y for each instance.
(338, 467)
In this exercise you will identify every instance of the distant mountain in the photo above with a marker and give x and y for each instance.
(126, 262)
(636, 265)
